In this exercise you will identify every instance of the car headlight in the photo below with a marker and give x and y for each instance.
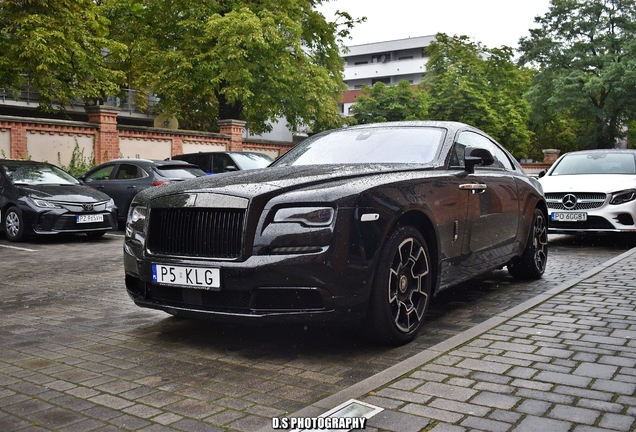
(44, 203)
(310, 216)
(623, 196)
(111, 204)
(136, 221)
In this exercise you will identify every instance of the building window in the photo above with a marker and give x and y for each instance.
(385, 80)
(361, 63)
(381, 58)
(357, 87)
(405, 58)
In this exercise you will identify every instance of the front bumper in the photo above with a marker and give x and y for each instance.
(608, 218)
(270, 288)
(61, 221)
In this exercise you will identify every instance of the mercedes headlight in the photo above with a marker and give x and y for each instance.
(623, 196)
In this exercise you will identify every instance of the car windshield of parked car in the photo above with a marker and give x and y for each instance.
(37, 174)
(247, 161)
(368, 145)
(596, 163)
(180, 172)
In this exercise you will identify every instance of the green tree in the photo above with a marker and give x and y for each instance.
(585, 53)
(60, 48)
(245, 59)
(470, 83)
(382, 103)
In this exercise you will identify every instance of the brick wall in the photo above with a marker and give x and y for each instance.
(54, 140)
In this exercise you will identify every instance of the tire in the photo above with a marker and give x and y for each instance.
(531, 264)
(96, 234)
(13, 224)
(402, 288)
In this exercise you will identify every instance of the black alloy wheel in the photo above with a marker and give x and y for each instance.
(533, 261)
(402, 288)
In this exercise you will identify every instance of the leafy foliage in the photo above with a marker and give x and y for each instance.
(382, 103)
(243, 59)
(470, 83)
(585, 51)
(79, 164)
(60, 48)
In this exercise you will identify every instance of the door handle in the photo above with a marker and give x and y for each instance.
(132, 187)
(474, 187)
(99, 187)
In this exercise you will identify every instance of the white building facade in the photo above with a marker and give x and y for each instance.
(389, 62)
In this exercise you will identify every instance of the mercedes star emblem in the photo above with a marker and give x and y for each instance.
(569, 201)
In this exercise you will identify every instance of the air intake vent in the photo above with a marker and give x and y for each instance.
(196, 232)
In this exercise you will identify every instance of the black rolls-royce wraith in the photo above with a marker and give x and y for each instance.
(365, 223)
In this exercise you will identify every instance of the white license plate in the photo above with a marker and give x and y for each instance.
(194, 277)
(89, 218)
(569, 217)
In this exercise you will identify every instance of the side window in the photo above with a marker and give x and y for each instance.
(128, 172)
(457, 156)
(101, 174)
(471, 139)
(220, 162)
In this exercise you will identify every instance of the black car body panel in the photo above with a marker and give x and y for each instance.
(301, 270)
(53, 208)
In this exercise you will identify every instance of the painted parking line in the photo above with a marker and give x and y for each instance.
(18, 248)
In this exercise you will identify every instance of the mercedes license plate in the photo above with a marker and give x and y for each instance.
(569, 217)
(89, 218)
(192, 277)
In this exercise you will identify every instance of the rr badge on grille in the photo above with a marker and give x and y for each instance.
(192, 199)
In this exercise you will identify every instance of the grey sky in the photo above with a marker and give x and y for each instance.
(492, 22)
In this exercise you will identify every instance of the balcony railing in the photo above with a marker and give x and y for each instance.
(131, 101)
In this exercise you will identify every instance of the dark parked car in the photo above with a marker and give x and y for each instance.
(122, 179)
(224, 161)
(40, 198)
(364, 223)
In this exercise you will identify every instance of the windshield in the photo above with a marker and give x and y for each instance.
(596, 163)
(369, 145)
(247, 161)
(26, 173)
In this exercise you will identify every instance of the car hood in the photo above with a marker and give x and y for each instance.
(602, 183)
(250, 183)
(63, 193)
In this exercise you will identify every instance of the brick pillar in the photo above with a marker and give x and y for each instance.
(18, 141)
(177, 145)
(107, 138)
(550, 156)
(233, 128)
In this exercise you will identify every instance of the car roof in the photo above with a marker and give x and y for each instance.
(592, 151)
(156, 162)
(28, 161)
(219, 152)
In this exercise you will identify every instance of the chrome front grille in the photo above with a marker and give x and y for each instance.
(196, 232)
(584, 200)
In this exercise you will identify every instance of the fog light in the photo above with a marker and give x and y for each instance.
(625, 219)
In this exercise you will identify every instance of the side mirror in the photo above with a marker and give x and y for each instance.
(542, 172)
(475, 156)
(230, 168)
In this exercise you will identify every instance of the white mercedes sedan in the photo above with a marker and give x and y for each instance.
(591, 191)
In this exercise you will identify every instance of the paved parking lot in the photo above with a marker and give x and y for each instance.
(77, 355)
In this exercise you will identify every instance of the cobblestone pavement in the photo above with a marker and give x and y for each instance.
(77, 355)
(563, 361)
